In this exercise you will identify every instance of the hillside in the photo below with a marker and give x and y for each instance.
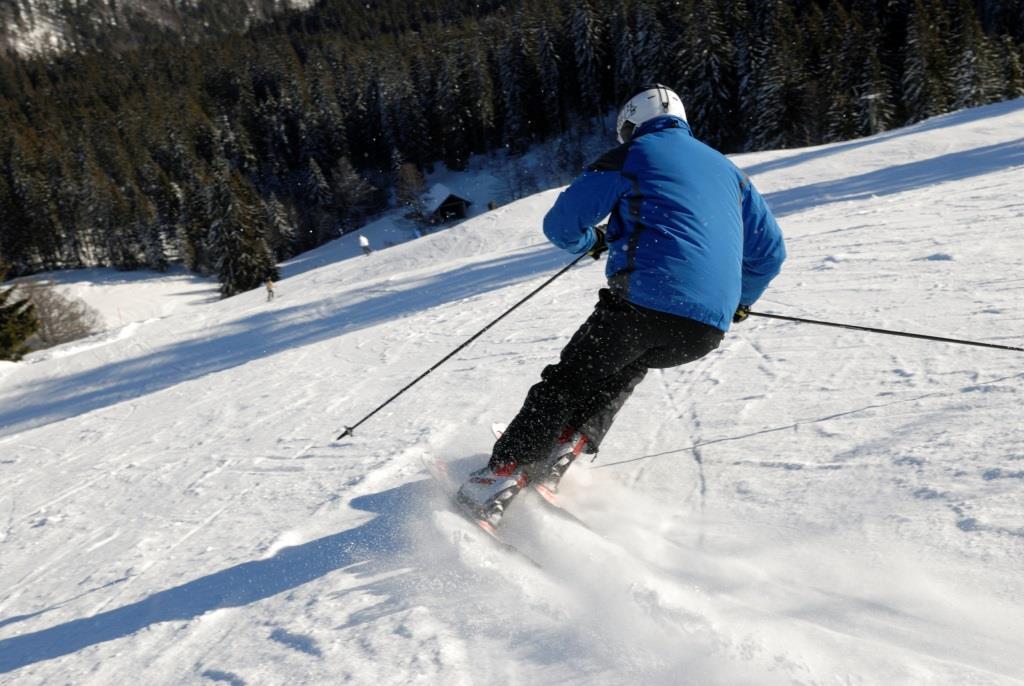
(48, 27)
(803, 506)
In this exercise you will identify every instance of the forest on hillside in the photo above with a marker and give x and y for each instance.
(230, 154)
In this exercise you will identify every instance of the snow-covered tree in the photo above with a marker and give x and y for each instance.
(279, 226)
(453, 115)
(624, 70)
(514, 79)
(327, 138)
(194, 229)
(1012, 67)
(921, 98)
(481, 106)
(549, 69)
(242, 258)
(409, 116)
(150, 234)
(316, 189)
(874, 97)
(707, 74)
(586, 34)
(352, 193)
(844, 53)
(976, 73)
(649, 49)
(776, 81)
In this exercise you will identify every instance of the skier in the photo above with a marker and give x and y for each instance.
(269, 283)
(364, 243)
(691, 246)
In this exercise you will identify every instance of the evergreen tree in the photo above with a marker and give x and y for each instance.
(623, 41)
(354, 195)
(513, 82)
(327, 135)
(17, 324)
(157, 212)
(778, 112)
(976, 80)
(371, 140)
(845, 53)
(120, 229)
(453, 115)
(926, 75)
(150, 234)
(107, 158)
(409, 188)
(816, 33)
(481, 108)
(317, 205)
(386, 131)
(707, 75)
(243, 259)
(408, 114)
(874, 96)
(1013, 69)
(267, 137)
(648, 47)
(280, 227)
(88, 181)
(34, 196)
(586, 35)
(14, 240)
(197, 217)
(419, 147)
(549, 71)
(315, 187)
(748, 65)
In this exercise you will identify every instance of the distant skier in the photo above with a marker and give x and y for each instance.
(270, 289)
(364, 244)
(691, 246)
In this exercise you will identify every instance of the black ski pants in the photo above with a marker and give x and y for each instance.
(597, 372)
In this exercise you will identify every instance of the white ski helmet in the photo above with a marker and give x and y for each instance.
(650, 102)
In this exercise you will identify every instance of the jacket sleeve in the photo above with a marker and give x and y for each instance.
(763, 248)
(569, 224)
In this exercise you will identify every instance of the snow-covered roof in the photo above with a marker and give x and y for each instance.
(437, 194)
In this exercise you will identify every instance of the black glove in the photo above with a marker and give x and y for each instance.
(600, 245)
(742, 312)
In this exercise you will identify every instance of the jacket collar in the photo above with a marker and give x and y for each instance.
(668, 121)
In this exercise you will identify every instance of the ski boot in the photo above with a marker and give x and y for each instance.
(488, 491)
(546, 474)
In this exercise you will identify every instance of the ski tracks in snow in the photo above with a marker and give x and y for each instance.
(801, 506)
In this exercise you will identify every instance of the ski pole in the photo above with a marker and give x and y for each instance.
(350, 429)
(887, 331)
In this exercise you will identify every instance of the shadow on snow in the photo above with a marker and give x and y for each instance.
(901, 177)
(261, 335)
(371, 546)
(939, 122)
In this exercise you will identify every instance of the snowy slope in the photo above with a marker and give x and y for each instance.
(805, 505)
(122, 298)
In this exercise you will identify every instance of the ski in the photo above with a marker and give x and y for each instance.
(438, 470)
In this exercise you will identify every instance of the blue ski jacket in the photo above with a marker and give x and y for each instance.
(687, 234)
